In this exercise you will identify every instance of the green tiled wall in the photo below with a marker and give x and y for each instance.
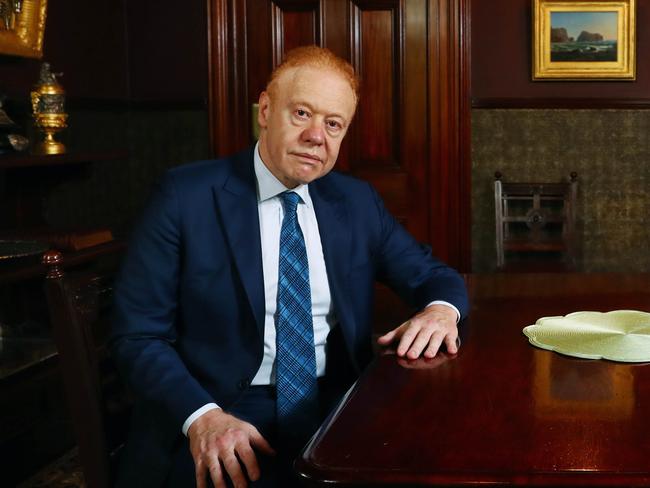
(610, 151)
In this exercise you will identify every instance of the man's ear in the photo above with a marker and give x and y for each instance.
(263, 110)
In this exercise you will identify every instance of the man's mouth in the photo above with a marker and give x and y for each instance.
(311, 157)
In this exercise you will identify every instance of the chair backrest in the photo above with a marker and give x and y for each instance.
(536, 224)
(79, 302)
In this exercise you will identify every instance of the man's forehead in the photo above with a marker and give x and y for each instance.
(316, 85)
(317, 77)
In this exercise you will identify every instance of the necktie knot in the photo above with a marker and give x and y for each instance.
(290, 201)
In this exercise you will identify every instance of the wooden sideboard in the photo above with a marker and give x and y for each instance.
(35, 426)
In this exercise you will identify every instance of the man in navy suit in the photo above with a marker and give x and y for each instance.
(195, 305)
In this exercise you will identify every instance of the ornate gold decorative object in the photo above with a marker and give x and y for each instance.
(22, 24)
(48, 107)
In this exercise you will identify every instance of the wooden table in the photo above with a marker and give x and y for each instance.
(501, 411)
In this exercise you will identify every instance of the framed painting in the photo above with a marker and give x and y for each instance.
(584, 40)
(22, 25)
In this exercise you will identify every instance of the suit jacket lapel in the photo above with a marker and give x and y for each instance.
(333, 226)
(236, 202)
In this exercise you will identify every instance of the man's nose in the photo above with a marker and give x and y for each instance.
(314, 134)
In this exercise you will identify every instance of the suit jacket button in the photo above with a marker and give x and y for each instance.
(243, 383)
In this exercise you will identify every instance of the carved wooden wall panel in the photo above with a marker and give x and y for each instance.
(259, 36)
(376, 56)
(295, 23)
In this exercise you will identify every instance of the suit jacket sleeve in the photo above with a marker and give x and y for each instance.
(145, 312)
(410, 270)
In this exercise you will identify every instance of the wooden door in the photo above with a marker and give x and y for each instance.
(410, 134)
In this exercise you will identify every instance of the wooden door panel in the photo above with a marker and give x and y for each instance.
(410, 136)
(390, 138)
(295, 23)
(376, 56)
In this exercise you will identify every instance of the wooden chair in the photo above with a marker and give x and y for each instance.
(78, 302)
(535, 225)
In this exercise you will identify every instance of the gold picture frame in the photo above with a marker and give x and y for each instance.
(22, 28)
(568, 46)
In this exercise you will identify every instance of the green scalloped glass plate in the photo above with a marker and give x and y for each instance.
(619, 335)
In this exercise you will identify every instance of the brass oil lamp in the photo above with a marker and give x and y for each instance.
(48, 107)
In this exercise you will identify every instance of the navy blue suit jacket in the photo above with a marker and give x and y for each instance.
(189, 301)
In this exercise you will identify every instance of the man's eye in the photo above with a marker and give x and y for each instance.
(301, 113)
(333, 124)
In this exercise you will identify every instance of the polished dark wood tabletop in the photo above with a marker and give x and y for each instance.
(501, 411)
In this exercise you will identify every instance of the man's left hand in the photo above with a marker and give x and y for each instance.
(424, 333)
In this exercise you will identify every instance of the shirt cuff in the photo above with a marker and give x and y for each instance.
(205, 408)
(446, 304)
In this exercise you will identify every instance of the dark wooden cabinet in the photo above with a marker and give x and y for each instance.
(35, 426)
(26, 180)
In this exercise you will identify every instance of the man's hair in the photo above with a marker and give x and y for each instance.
(317, 57)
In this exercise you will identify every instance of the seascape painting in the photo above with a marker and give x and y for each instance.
(584, 36)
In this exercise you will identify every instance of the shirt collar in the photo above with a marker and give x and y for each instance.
(268, 186)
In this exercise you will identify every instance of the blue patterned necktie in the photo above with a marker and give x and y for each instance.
(297, 388)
